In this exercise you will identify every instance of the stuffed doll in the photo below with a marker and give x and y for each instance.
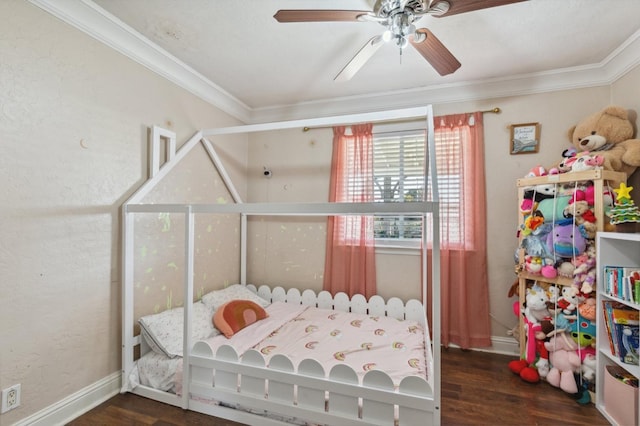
(565, 361)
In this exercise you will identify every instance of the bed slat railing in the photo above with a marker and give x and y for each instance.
(376, 305)
(343, 404)
(280, 388)
(415, 386)
(311, 397)
(373, 410)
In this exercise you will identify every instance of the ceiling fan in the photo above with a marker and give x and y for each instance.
(398, 18)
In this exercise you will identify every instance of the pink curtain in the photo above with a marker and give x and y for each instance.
(350, 254)
(463, 251)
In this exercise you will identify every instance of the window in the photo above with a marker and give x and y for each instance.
(399, 177)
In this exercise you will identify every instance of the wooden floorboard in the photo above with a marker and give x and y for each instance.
(477, 390)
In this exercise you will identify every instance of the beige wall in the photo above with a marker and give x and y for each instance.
(59, 211)
(300, 163)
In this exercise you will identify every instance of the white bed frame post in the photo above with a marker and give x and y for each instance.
(127, 291)
(188, 298)
(135, 205)
(435, 261)
(243, 248)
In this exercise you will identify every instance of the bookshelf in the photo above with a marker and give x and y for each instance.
(614, 249)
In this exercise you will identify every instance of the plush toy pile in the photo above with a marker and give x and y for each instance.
(558, 230)
(560, 339)
(557, 239)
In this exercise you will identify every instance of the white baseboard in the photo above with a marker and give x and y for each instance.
(499, 345)
(504, 345)
(76, 404)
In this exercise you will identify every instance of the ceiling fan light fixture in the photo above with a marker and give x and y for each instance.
(419, 37)
(408, 29)
(401, 41)
(398, 18)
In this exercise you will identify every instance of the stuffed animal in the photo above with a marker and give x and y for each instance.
(582, 216)
(589, 367)
(583, 332)
(564, 166)
(580, 211)
(565, 269)
(569, 300)
(537, 193)
(566, 240)
(587, 309)
(565, 361)
(533, 264)
(531, 222)
(536, 305)
(584, 273)
(588, 195)
(535, 363)
(587, 162)
(609, 133)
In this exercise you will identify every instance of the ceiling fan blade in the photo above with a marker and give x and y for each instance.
(295, 15)
(463, 6)
(435, 52)
(363, 55)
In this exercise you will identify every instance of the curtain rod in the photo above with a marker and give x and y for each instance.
(495, 110)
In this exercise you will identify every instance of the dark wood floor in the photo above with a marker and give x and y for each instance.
(477, 389)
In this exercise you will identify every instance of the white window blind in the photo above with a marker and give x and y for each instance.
(399, 170)
(399, 177)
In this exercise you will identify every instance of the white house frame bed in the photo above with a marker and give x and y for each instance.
(303, 392)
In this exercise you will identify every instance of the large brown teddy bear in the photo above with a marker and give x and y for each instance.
(609, 133)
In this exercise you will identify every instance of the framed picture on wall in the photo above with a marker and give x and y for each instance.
(525, 138)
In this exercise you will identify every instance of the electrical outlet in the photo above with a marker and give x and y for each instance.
(10, 398)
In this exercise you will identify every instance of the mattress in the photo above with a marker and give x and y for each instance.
(362, 341)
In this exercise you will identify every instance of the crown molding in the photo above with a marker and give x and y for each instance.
(106, 28)
(96, 22)
(622, 60)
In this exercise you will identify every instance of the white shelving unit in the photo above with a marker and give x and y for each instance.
(614, 249)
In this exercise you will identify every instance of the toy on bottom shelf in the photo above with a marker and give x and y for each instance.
(559, 327)
(535, 364)
(564, 359)
(624, 210)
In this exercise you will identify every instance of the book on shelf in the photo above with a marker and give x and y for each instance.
(622, 324)
(622, 282)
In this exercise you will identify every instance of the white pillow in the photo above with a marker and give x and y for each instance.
(163, 331)
(217, 298)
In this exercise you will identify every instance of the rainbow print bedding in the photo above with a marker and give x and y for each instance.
(330, 337)
(363, 342)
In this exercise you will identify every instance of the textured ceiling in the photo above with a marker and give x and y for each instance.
(240, 47)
